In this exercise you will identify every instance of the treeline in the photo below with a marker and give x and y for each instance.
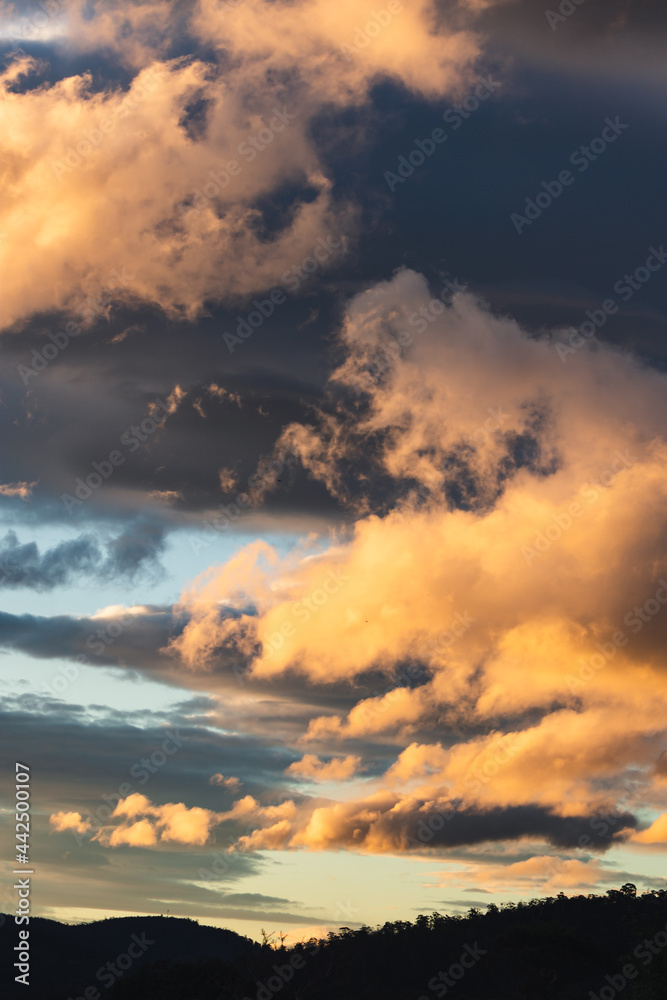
(557, 948)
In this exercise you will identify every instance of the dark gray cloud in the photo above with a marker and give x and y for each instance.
(594, 21)
(83, 754)
(137, 549)
(137, 643)
(471, 826)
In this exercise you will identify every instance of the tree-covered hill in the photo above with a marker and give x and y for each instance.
(559, 948)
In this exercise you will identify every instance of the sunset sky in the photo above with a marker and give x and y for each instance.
(333, 409)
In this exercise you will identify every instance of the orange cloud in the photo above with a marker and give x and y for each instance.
(125, 203)
(655, 834)
(541, 873)
(61, 821)
(139, 834)
(540, 595)
(331, 50)
(337, 769)
(144, 824)
(132, 806)
(116, 194)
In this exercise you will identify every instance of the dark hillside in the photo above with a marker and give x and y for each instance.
(562, 948)
(67, 959)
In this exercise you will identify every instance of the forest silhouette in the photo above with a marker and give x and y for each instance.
(593, 947)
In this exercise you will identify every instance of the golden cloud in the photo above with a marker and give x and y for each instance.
(656, 834)
(62, 821)
(145, 824)
(537, 590)
(337, 769)
(117, 198)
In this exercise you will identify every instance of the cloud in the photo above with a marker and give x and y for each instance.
(227, 480)
(134, 30)
(413, 812)
(544, 873)
(219, 779)
(130, 637)
(22, 490)
(333, 54)
(135, 550)
(154, 193)
(144, 824)
(24, 566)
(139, 834)
(165, 496)
(337, 769)
(387, 822)
(496, 569)
(69, 821)
(133, 197)
(656, 833)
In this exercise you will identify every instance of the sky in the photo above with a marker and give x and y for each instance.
(333, 564)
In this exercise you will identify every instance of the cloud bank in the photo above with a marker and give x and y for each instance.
(525, 603)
